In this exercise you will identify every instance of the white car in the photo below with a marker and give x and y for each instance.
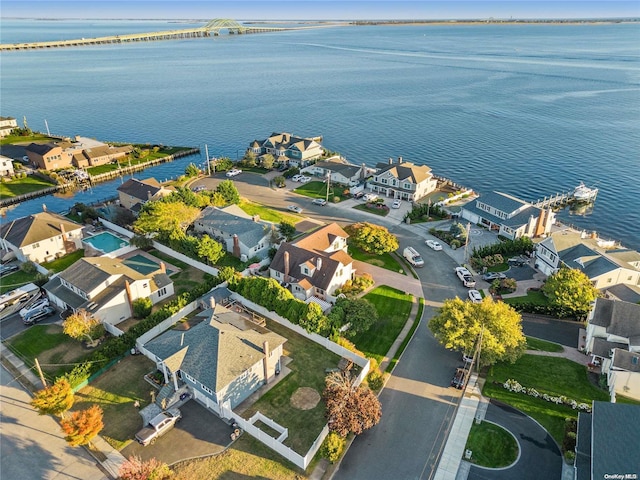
(233, 172)
(304, 179)
(296, 177)
(396, 204)
(370, 197)
(474, 296)
(294, 208)
(34, 307)
(320, 201)
(433, 245)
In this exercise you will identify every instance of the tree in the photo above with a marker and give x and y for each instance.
(228, 191)
(279, 181)
(350, 408)
(332, 447)
(142, 307)
(81, 325)
(359, 313)
(134, 468)
(287, 230)
(268, 161)
(141, 241)
(54, 400)
(209, 249)
(191, 170)
(571, 291)
(458, 324)
(165, 217)
(372, 238)
(312, 319)
(227, 274)
(459, 232)
(82, 426)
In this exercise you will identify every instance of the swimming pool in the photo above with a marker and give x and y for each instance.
(106, 242)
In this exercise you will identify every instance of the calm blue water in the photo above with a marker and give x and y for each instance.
(530, 110)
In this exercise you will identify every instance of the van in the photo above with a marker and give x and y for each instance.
(413, 257)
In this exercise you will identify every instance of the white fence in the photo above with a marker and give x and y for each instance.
(446, 201)
(185, 259)
(165, 324)
(112, 329)
(116, 228)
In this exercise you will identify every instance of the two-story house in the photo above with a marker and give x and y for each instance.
(134, 193)
(6, 166)
(243, 237)
(402, 180)
(339, 171)
(7, 125)
(50, 156)
(40, 237)
(315, 265)
(106, 287)
(285, 147)
(223, 359)
(509, 216)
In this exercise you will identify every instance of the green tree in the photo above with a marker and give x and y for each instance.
(209, 249)
(312, 319)
(142, 307)
(81, 427)
(332, 447)
(571, 291)
(459, 232)
(279, 181)
(191, 170)
(81, 325)
(287, 230)
(359, 313)
(229, 192)
(54, 400)
(458, 324)
(267, 161)
(372, 238)
(165, 217)
(134, 468)
(227, 274)
(141, 241)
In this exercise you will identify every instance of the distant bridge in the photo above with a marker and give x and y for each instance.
(212, 28)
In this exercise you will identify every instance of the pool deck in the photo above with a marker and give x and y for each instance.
(148, 256)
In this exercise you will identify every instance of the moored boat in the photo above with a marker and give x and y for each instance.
(582, 193)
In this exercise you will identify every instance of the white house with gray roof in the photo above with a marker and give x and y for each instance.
(285, 147)
(402, 180)
(508, 216)
(239, 235)
(223, 359)
(339, 171)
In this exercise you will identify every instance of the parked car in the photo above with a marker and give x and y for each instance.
(304, 179)
(474, 296)
(158, 426)
(9, 268)
(396, 204)
(37, 305)
(233, 172)
(296, 177)
(37, 315)
(359, 194)
(199, 188)
(294, 208)
(433, 244)
(491, 276)
(517, 262)
(370, 197)
(320, 201)
(458, 378)
(465, 277)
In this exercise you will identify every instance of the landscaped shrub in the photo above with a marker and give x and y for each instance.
(332, 447)
(142, 307)
(513, 386)
(375, 378)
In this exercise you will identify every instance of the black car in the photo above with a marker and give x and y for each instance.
(38, 315)
(9, 268)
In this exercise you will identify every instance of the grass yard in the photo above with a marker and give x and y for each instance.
(543, 345)
(55, 351)
(266, 213)
(383, 212)
(532, 296)
(393, 307)
(115, 391)
(15, 280)
(65, 262)
(492, 446)
(317, 189)
(26, 140)
(386, 260)
(307, 370)
(125, 162)
(551, 375)
(20, 186)
(500, 267)
(186, 279)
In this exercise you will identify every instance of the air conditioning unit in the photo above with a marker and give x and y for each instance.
(243, 258)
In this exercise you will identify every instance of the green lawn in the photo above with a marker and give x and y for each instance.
(383, 212)
(115, 391)
(407, 339)
(543, 345)
(551, 375)
(266, 213)
(536, 297)
(15, 280)
(393, 307)
(492, 446)
(319, 190)
(17, 139)
(501, 267)
(307, 370)
(164, 152)
(386, 260)
(20, 186)
(65, 262)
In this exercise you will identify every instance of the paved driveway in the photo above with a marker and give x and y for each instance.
(539, 454)
(199, 433)
(564, 332)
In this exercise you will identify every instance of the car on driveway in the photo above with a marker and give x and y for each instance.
(9, 268)
(396, 204)
(320, 201)
(491, 276)
(158, 426)
(233, 172)
(433, 244)
(294, 208)
(37, 315)
(38, 305)
(297, 177)
(517, 262)
(199, 188)
(474, 296)
(304, 179)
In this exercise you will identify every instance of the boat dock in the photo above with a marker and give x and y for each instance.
(561, 200)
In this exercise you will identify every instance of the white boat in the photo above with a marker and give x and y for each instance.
(582, 193)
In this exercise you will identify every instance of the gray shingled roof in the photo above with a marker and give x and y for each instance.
(36, 228)
(615, 439)
(41, 148)
(249, 232)
(626, 293)
(583, 447)
(602, 348)
(501, 201)
(320, 278)
(344, 169)
(405, 171)
(589, 261)
(139, 189)
(55, 287)
(618, 318)
(506, 204)
(626, 360)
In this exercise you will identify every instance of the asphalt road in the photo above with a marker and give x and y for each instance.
(32, 446)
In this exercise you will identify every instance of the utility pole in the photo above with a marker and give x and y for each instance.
(467, 241)
(328, 185)
(44, 382)
(479, 349)
(206, 154)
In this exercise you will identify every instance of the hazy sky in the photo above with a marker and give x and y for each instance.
(318, 9)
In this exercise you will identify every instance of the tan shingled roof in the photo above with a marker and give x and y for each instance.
(322, 238)
(36, 228)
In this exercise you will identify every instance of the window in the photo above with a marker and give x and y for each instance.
(207, 389)
(189, 377)
(36, 245)
(162, 292)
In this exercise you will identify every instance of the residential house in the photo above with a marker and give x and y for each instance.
(402, 180)
(605, 264)
(339, 171)
(508, 216)
(134, 193)
(99, 155)
(50, 156)
(40, 237)
(608, 442)
(7, 125)
(316, 265)
(6, 166)
(107, 287)
(82, 153)
(613, 339)
(223, 359)
(243, 237)
(285, 147)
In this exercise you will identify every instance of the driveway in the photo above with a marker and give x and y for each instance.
(564, 332)
(539, 454)
(199, 433)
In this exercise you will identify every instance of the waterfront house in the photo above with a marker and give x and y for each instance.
(242, 236)
(99, 155)
(613, 340)
(106, 287)
(223, 359)
(402, 180)
(339, 171)
(7, 125)
(40, 237)
(608, 442)
(605, 264)
(508, 216)
(315, 265)
(134, 193)
(285, 147)
(50, 156)
(6, 166)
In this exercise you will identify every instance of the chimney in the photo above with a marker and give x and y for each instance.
(399, 159)
(182, 339)
(319, 263)
(212, 302)
(163, 267)
(286, 266)
(265, 361)
(127, 287)
(236, 246)
(44, 207)
(148, 194)
(390, 161)
(62, 231)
